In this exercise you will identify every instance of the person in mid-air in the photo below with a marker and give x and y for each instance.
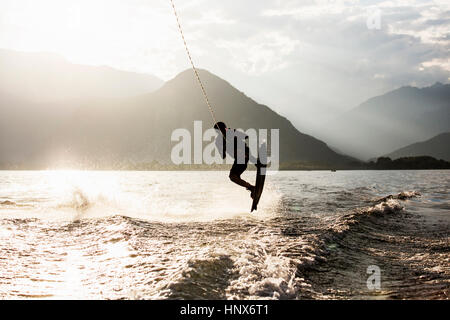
(241, 153)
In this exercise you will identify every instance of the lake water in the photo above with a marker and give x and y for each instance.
(172, 235)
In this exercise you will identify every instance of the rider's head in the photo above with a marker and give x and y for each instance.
(221, 126)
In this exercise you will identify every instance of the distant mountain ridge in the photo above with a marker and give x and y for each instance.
(45, 77)
(437, 147)
(391, 121)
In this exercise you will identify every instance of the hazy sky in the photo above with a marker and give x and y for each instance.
(305, 59)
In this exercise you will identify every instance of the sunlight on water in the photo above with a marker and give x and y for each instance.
(73, 195)
(169, 235)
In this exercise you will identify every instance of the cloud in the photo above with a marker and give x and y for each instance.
(440, 63)
(261, 53)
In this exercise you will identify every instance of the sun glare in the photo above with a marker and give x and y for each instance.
(93, 32)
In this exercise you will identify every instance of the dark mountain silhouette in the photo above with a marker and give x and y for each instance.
(391, 121)
(437, 147)
(45, 77)
(113, 132)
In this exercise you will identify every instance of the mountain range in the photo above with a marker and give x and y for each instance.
(390, 121)
(89, 116)
(53, 111)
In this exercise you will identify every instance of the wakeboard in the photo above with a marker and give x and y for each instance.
(261, 167)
